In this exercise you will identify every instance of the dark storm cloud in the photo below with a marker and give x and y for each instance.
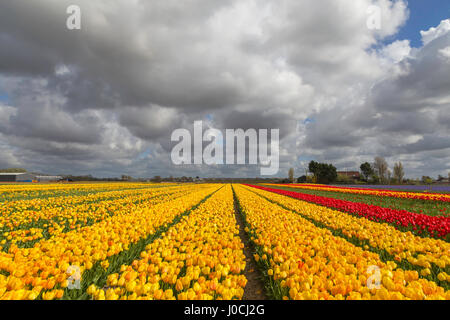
(429, 143)
(148, 67)
(151, 123)
(424, 82)
(105, 99)
(257, 120)
(18, 57)
(404, 114)
(332, 130)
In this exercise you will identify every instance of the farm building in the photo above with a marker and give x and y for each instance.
(350, 174)
(48, 178)
(17, 177)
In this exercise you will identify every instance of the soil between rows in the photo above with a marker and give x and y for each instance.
(254, 290)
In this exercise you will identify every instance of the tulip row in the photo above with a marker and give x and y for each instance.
(17, 213)
(403, 220)
(13, 192)
(431, 208)
(78, 210)
(200, 258)
(38, 204)
(25, 228)
(40, 271)
(376, 192)
(301, 261)
(429, 256)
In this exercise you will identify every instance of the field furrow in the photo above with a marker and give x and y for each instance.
(200, 258)
(24, 228)
(419, 224)
(377, 192)
(303, 261)
(430, 257)
(32, 271)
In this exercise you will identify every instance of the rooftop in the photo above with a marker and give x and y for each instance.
(12, 173)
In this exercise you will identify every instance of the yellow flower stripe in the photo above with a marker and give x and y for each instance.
(30, 190)
(64, 186)
(383, 193)
(80, 213)
(404, 245)
(37, 204)
(16, 213)
(206, 243)
(44, 266)
(311, 263)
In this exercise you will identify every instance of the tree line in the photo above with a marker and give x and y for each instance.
(377, 172)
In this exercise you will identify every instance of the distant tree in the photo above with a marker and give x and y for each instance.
(390, 179)
(302, 179)
(440, 178)
(381, 168)
(313, 167)
(366, 170)
(343, 179)
(328, 173)
(374, 179)
(427, 180)
(323, 173)
(399, 173)
(157, 179)
(291, 175)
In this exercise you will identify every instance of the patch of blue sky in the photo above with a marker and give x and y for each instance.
(423, 15)
(144, 155)
(309, 120)
(4, 98)
(305, 158)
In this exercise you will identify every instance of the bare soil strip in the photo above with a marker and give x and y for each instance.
(254, 290)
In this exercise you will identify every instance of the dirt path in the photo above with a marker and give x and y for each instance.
(254, 290)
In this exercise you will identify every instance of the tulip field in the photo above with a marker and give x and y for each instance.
(144, 241)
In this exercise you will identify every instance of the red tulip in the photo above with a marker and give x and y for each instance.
(398, 218)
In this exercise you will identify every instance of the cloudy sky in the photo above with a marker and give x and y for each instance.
(105, 99)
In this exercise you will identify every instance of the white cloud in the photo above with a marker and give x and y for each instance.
(445, 53)
(97, 99)
(402, 117)
(434, 33)
(396, 51)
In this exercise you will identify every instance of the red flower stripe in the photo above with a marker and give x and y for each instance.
(376, 192)
(439, 226)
